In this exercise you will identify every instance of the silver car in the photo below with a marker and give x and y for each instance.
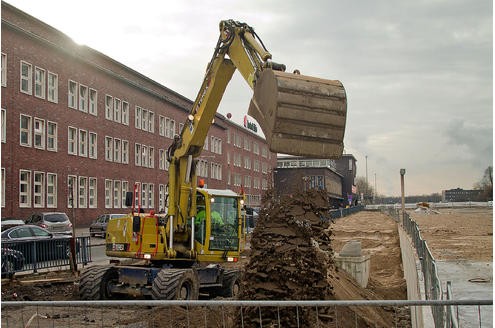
(54, 222)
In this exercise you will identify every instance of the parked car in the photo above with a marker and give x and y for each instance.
(99, 226)
(8, 222)
(55, 222)
(12, 261)
(48, 246)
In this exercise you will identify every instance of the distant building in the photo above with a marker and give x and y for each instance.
(460, 195)
(336, 177)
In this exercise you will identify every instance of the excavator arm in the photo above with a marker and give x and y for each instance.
(298, 114)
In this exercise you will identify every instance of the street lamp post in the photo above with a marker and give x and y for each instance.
(402, 173)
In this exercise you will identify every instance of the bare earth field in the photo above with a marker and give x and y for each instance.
(453, 234)
(458, 234)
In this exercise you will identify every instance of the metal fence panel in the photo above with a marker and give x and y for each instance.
(34, 255)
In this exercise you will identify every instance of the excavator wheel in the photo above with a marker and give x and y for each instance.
(300, 115)
(175, 284)
(230, 286)
(95, 282)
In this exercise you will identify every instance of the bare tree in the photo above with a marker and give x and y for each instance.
(486, 184)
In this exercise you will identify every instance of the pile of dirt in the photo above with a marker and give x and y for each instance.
(292, 259)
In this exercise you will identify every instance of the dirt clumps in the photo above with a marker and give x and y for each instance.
(292, 259)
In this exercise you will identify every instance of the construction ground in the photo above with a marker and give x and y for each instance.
(461, 241)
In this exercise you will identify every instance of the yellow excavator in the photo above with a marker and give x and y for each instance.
(179, 255)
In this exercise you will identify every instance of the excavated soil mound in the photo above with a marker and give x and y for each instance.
(292, 259)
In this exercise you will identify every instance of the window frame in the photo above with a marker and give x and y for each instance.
(28, 80)
(72, 96)
(28, 131)
(52, 93)
(27, 194)
(39, 83)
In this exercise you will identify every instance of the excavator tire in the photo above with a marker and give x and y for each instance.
(175, 284)
(94, 282)
(300, 115)
(230, 286)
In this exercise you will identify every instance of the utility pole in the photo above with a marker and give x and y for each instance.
(366, 191)
(374, 191)
(402, 173)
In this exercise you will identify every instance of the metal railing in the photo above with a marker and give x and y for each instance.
(443, 316)
(19, 256)
(216, 313)
(340, 213)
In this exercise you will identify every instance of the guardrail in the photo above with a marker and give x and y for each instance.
(20, 256)
(214, 313)
(341, 212)
(443, 316)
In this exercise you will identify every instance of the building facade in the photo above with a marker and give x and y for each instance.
(336, 177)
(460, 195)
(80, 129)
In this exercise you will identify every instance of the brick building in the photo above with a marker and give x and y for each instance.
(71, 116)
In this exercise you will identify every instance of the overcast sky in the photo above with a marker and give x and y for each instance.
(418, 74)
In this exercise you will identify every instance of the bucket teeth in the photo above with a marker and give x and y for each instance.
(300, 115)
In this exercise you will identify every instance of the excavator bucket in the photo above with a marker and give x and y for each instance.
(300, 115)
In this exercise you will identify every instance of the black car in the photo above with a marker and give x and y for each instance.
(12, 261)
(35, 243)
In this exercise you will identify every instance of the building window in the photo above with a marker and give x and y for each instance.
(4, 70)
(51, 136)
(144, 156)
(52, 87)
(117, 194)
(137, 117)
(144, 195)
(72, 95)
(256, 148)
(137, 153)
(125, 186)
(93, 102)
(4, 125)
(39, 189)
(72, 141)
(151, 195)
(39, 82)
(71, 191)
(92, 193)
(83, 192)
(25, 131)
(117, 110)
(83, 143)
(109, 149)
(39, 133)
(169, 128)
(125, 152)
(144, 120)
(24, 188)
(26, 77)
(83, 98)
(247, 162)
(108, 193)
(125, 113)
(161, 125)
(161, 198)
(151, 157)
(151, 125)
(93, 145)
(51, 190)
(109, 107)
(117, 147)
